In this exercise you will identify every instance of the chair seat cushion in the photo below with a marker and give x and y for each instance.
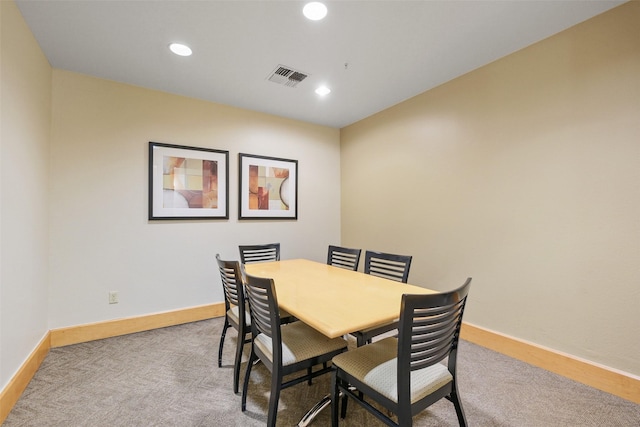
(300, 342)
(377, 366)
(234, 314)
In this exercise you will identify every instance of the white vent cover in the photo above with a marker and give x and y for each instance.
(287, 76)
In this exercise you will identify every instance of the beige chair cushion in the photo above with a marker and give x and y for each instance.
(376, 365)
(299, 342)
(234, 314)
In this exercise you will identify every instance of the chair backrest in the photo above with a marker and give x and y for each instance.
(344, 257)
(232, 284)
(428, 332)
(389, 266)
(259, 253)
(263, 306)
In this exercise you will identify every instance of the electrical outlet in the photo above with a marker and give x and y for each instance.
(113, 297)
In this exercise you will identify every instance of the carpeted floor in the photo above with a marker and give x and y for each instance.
(169, 377)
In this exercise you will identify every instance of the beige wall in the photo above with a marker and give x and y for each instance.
(101, 239)
(525, 175)
(25, 123)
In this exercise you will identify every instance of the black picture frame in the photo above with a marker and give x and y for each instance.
(188, 183)
(268, 187)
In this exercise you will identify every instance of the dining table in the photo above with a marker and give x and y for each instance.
(333, 300)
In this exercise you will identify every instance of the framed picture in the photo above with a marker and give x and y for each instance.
(268, 187)
(188, 182)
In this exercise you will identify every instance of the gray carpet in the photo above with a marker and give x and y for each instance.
(169, 377)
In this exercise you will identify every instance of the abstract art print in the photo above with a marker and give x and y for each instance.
(268, 187)
(188, 182)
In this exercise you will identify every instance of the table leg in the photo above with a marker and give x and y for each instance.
(311, 414)
(318, 407)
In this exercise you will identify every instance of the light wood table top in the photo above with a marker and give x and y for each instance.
(333, 300)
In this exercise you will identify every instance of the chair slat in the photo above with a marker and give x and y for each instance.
(343, 257)
(388, 266)
(259, 253)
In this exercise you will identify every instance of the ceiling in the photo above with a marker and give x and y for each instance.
(371, 54)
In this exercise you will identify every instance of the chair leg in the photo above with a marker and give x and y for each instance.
(458, 405)
(343, 413)
(335, 395)
(276, 384)
(252, 357)
(403, 412)
(236, 367)
(224, 333)
(404, 417)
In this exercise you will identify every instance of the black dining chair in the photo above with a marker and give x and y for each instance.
(235, 313)
(388, 266)
(404, 374)
(348, 258)
(284, 349)
(259, 253)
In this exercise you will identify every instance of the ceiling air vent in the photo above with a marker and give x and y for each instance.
(286, 76)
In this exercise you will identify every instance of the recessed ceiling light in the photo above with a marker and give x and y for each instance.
(180, 49)
(315, 10)
(323, 90)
